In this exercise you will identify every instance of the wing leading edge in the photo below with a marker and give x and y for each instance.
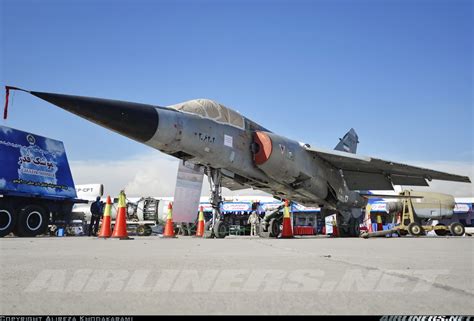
(362, 172)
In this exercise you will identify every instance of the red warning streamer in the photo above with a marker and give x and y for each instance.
(7, 94)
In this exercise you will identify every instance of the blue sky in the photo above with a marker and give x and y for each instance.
(399, 72)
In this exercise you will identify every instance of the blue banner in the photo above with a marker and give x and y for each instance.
(34, 164)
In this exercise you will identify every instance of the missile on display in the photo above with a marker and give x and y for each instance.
(238, 153)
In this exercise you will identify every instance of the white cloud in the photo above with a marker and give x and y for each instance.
(5, 130)
(147, 175)
(3, 183)
(54, 146)
(151, 174)
(154, 174)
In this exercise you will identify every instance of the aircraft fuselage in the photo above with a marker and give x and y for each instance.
(287, 171)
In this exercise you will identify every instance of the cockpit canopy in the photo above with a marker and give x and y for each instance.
(213, 110)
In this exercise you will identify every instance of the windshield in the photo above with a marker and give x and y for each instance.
(212, 110)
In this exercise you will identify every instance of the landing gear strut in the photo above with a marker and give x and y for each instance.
(215, 227)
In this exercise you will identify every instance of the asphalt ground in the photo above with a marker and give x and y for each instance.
(237, 275)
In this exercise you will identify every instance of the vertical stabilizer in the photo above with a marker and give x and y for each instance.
(349, 142)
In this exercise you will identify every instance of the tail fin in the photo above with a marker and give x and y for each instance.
(349, 142)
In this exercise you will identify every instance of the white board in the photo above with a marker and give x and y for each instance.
(187, 193)
(328, 221)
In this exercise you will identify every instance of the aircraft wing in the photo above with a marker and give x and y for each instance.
(366, 173)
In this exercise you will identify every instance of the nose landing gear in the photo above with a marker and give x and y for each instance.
(216, 226)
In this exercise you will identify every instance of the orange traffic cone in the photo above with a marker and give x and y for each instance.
(287, 231)
(200, 226)
(105, 228)
(169, 227)
(379, 222)
(120, 228)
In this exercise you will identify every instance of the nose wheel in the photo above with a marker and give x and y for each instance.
(220, 230)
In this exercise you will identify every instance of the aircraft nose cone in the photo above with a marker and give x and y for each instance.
(136, 121)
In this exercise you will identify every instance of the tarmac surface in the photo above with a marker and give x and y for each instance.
(237, 275)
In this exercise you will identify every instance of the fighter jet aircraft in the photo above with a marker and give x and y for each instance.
(238, 153)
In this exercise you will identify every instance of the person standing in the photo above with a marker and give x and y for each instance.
(254, 219)
(96, 211)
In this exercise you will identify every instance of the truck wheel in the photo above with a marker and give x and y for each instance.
(441, 232)
(274, 227)
(32, 221)
(415, 229)
(7, 220)
(140, 230)
(456, 229)
(220, 230)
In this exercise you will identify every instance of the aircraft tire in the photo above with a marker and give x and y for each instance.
(148, 230)
(140, 230)
(220, 230)
(415, 229)
(274, 227)
(456, 229)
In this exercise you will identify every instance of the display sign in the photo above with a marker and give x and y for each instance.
(379, 207)
(34, 164)
(187, 193)
(236, 207)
